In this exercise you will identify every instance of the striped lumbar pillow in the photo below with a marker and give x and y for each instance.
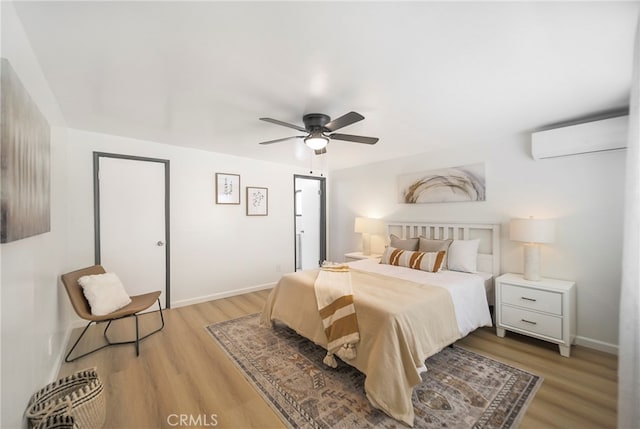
(425, 261)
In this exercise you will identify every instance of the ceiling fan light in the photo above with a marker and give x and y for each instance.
(316, 142)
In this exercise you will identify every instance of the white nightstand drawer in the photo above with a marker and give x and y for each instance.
(541, 324)
(534, 299)
(544, 309)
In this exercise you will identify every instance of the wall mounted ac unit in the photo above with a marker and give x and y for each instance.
(595, 136)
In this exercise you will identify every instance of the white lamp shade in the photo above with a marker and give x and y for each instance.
(532, 230)
(360, 224)
(368, 225)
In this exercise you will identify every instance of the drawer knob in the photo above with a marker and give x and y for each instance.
(528, 321)
(528, 299)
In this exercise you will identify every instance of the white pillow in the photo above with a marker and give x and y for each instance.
(104, 292)
(463, 256)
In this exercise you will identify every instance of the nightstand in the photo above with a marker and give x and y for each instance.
(544, 309)
(354, 256)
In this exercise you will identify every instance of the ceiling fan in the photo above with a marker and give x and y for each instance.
(318, 126)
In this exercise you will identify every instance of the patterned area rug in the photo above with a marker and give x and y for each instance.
(461, 389)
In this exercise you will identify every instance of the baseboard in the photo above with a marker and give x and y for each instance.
(55, 369)
(220, 295)
(597, 345)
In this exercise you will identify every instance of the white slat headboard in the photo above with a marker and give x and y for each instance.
(489, 235)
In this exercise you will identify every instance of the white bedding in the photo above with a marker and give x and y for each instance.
(467, 290)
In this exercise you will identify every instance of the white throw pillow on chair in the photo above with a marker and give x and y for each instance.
(105, 293)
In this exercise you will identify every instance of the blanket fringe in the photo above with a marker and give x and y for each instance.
(347, 351)
(329, 360)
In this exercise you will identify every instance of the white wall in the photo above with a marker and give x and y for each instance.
(216, 250)
(35, 312)
(584, 193)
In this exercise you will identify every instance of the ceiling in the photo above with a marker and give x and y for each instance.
(425, 75)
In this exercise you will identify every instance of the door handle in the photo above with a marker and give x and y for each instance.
(160, 243)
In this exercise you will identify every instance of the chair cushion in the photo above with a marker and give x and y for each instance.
(104, 292)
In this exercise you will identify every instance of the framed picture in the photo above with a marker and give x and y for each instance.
(227, 188)
(257, 201)
(446, 185)
(25, 164)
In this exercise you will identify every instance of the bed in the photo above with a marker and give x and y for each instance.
(404, 315)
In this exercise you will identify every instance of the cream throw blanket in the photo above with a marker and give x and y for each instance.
(401, 323)
(334, 296)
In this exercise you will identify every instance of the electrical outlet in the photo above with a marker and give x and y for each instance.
(278, 268)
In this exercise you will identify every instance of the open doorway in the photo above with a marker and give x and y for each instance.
(310, 221)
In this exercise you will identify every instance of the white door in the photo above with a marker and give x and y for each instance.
(132, 233)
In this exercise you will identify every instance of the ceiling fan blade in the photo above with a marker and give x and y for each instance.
(284, 124)
(283, 139)
(321, 151)
(355, 139)
(343, 121)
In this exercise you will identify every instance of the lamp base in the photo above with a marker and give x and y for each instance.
(532, 262)
(366, 243)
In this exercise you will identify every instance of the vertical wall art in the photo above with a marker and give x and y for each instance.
(257, 201)
(227, 188)
(24, 162)
(466, 183)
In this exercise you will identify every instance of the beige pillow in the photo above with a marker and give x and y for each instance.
(433, 245)
(404, 244)
(425, 261)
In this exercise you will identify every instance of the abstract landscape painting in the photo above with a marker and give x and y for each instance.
(465, 183)
(24, 159)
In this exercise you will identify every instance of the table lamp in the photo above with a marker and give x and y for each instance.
(366, 227)
(532, 232)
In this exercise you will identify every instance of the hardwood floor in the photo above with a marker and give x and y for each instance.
(181, 373)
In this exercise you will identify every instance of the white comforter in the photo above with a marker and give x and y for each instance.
(467, 290)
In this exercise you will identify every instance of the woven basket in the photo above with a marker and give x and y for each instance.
(78, 395)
